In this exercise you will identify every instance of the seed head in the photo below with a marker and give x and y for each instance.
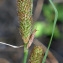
(36, 55)
(25, 18)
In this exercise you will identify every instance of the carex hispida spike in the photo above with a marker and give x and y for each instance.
(36, 55)
(25, 17)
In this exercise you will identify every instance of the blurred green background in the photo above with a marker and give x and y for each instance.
(43, 18)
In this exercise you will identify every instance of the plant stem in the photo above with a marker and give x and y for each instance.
(54, 24)
(25, 54)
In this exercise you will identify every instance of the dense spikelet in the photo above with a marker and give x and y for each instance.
(36, 55)
(25, 18)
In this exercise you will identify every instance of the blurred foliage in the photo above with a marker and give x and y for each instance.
(48, 12)
(39, 26)
(60, 11)
(46, 28)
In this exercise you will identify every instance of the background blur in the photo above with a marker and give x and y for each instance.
(43, 16)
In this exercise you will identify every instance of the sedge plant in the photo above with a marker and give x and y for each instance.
(24, 12)
(25, 17)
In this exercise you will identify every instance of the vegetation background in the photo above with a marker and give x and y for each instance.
(43, 19)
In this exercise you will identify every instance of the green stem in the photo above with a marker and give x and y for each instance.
(25, 54)
(55, 20)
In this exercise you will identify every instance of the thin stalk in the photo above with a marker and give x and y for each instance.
(55, 20)
(25, 54)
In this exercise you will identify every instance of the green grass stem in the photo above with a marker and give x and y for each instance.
(55, 20)
(25, 54)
